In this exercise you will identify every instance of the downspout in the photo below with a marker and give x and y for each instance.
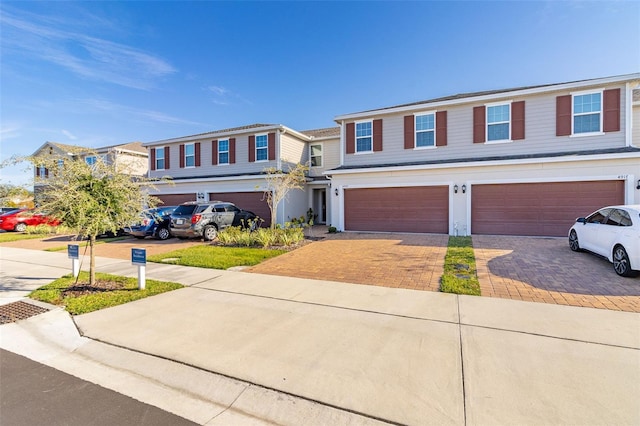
(281, 131)
(628, 120)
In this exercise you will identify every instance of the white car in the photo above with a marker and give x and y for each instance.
(612, 232)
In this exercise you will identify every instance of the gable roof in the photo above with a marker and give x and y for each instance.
(135, 147)
(488, 94)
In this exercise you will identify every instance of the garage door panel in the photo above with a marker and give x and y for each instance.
(400, 209)
(538, 209)
(252, 201)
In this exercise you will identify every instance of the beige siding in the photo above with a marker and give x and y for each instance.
(330, 156)
(635, 140)
(292, 150)
(241, 166)
(540, 135)
(132, 164)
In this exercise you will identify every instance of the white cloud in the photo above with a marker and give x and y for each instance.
(136, 113)
(69, 135)
(90, 57)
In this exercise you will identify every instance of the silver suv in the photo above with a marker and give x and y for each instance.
(204, 219)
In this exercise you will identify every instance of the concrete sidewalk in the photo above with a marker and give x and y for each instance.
(293, 351)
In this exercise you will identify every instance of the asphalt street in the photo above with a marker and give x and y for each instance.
(34, 394)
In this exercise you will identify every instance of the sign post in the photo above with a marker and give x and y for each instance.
(139, 257)
(72, 252)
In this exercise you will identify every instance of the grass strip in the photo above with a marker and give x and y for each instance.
(7, 237)
(460, 275)
(110, 290)
(215, 257)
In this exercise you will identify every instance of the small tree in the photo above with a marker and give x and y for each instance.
(91, 199)
(279, 183)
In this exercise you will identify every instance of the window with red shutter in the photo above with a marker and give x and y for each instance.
(350, 138)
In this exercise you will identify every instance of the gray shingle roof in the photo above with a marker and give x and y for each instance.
(326, 132)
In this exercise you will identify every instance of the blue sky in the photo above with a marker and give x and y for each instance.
(103, 73)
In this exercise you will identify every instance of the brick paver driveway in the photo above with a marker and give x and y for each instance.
(546, 270)
(393, 260)
(523, 268)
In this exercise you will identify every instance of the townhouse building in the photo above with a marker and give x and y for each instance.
(521, 161)
(229, 165)
(130, 158)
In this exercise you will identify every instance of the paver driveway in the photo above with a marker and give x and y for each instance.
(546, 270)
(523, 268)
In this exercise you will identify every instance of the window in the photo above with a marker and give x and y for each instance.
(223, 151)
(425, 130)
(364, 136)
(587, 115)
(262, 148)
(498, 122)
(315, 152)
(42, 172)
(159, 158)
(599, 217)
(619, 218)
(91, 160)
(189, 155)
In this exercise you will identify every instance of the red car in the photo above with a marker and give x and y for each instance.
(18, 220)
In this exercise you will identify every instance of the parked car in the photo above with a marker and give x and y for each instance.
(18, 220)
(153, 223)
(612, 232)
(205, 219)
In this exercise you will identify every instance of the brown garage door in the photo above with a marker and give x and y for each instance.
(176, 199)
(252, 201)
(399, 209)
(538, 209)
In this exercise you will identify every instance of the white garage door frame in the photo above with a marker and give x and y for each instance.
(341, 188)
(629, 182)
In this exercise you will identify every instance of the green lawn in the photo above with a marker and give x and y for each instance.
(7, 237)
(216, 257)
(110, 290)
(460, 275)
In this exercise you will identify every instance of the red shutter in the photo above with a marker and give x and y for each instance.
(563, 115)
(441, 128)
(232, 150)
(479, 124)
(351, 138)
(167, 165)
(252, 148)
(377, 135)
(197, 149)
(271, 138)
(46, 172)
(214, 152)
(409, 131)
(611, 103)
(517, 120)
(153, 158)
(182, 156)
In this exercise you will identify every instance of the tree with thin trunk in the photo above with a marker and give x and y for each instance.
(91, 199)
(278, 185)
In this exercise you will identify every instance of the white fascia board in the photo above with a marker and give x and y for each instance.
(491, 97)
(218, 135)
(170, 181)
(573, 158)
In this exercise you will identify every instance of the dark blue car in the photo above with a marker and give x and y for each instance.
(153, 223)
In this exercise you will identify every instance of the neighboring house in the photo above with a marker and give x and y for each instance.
(130, 158)
(522, 161)
(229, 164)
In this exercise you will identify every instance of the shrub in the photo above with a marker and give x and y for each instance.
(263, 237)
(332, 229)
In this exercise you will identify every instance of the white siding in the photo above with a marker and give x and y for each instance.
(540, 135)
